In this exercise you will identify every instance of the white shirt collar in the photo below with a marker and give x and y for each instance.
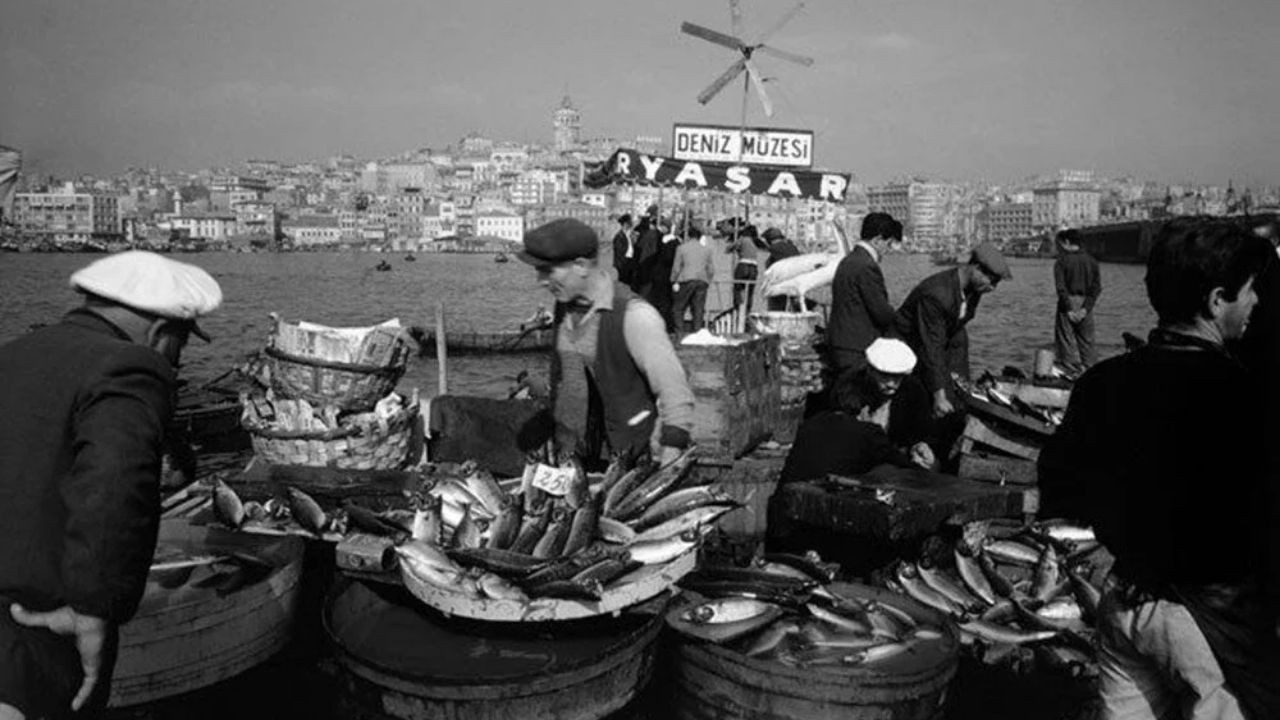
(870, 250)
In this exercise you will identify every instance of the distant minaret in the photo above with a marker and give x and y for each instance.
(177, 203)
(567, 123)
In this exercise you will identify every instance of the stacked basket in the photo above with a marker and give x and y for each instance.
(330, 400)
(801, 369)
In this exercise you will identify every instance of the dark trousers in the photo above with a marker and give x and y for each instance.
(40, 671)
(691, 295)
(660, 297)
(744, 286)
(1074, 341)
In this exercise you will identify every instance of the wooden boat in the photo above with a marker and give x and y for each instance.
(485, 343)
(382, 266)
(500, 258)
(410, 258)
(203, 413)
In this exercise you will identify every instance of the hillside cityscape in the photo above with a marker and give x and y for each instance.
(480, 194)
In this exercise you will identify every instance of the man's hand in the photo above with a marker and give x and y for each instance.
(942, 407)
(922, 455)
(1075, 316)
(675, 287)
(90, 634)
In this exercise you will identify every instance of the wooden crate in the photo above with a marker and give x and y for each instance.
(752, 481)
(1004, 439)
(737, 395)
(994, 468)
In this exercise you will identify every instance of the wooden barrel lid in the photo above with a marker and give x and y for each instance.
(388, 629)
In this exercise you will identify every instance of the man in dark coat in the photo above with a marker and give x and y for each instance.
(860, 309)
(86, 403)
(880, 414)
(779, 248)
(933, 318)
(1163, 451)
(624, 260)
(648, 243)
(1078, 283)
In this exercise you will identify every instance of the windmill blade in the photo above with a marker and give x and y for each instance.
(734, 71)
(735, 18)
(784, 55)
(756, 79)
(710, 35)
(786, 18)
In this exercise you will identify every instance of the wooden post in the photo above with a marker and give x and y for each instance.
(442, 351)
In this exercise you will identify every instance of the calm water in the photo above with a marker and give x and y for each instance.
(343, 289)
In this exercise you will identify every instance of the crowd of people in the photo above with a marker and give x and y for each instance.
(671, 263)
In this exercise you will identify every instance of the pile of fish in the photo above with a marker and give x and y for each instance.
(783, 609)
(1020, 594)
(296, 509)
(470, 536)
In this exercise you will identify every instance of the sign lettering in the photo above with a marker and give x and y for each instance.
(629, 166)
(758, 146)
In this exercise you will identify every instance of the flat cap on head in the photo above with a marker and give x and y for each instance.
(559, 241)
(989, 258)
(152, 284)
(772, 234)
(891, 356)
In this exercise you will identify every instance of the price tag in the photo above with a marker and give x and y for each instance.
(553, 480)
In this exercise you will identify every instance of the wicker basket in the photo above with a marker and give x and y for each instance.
(322, 382)
(366, 447)
(793, 328)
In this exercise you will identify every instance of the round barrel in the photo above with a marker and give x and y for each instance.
(399, 659)
(218, 621)
(716, 683)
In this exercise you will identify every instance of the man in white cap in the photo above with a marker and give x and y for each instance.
(85, 404)
(880, 414)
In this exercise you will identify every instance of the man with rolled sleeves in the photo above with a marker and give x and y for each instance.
(935, 314)
(616, 382)
(1078, 283)
(86, 403)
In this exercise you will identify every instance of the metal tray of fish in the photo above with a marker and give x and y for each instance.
(634, 588)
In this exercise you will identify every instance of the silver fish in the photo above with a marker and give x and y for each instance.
(498, 588)
(1012, 551)
(954, 591)
(306, 511)
(971, 572)
(909, 576)
(486, 490)
(227, 506)
(769, 638)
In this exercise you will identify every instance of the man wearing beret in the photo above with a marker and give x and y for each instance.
(879, 415)
(933, 319)
(86, 403)
(615, 377)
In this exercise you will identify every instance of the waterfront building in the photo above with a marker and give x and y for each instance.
(498, 223)
(567, 122)
(538, 187)
(65, 215)
(226, 191)
(597, 218)
(1005, 220)
(211, 226)
(1070, 200)
(309, 231)
(926, 209)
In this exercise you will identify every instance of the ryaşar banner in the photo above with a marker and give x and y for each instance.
(629, 166)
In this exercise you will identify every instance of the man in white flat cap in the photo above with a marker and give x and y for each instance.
(85, 404)
(880, 415)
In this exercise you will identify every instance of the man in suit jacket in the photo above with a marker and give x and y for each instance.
(624, 255)
(860, 309)
(933, 318)
(85, 404)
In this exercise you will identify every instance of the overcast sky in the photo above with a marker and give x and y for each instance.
(1174, 90)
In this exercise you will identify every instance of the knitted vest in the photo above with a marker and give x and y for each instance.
(621, 406)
